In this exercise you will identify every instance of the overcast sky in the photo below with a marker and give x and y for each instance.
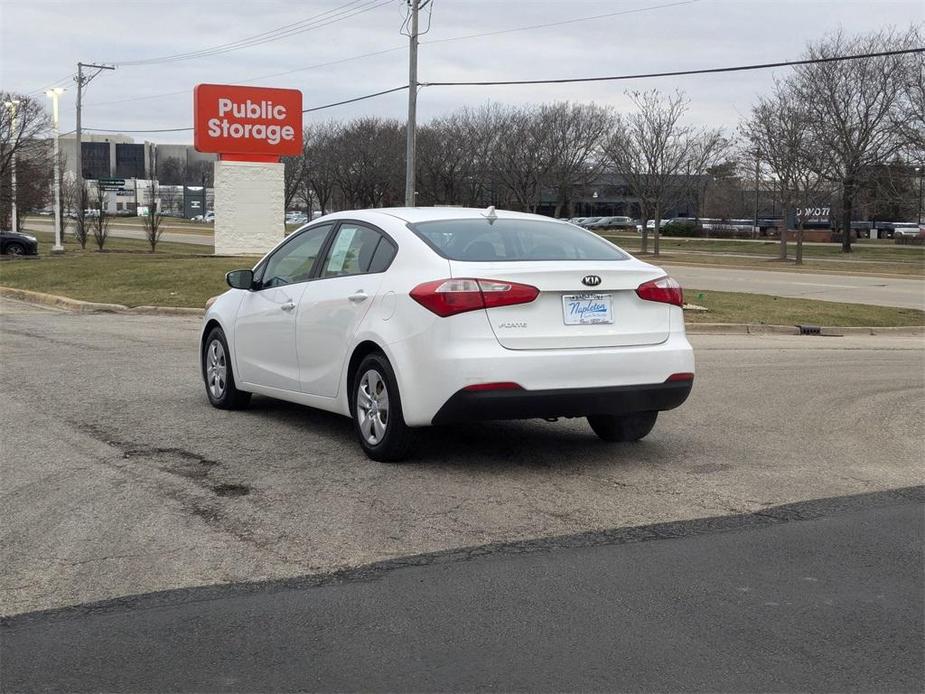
(41, 42)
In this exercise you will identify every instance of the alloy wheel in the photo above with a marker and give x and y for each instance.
(372, 405)
(216, 369)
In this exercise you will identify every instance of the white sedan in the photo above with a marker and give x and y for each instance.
(407, 317)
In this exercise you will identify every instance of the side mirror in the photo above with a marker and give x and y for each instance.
(240, 279)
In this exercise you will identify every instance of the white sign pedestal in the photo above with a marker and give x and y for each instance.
(249, 207)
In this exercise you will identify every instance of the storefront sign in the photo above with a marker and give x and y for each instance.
(247, 123)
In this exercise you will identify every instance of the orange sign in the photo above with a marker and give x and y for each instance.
(247, 123)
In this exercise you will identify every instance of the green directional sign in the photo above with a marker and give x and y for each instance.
(111, 183)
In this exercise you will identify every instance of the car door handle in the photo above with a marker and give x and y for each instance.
(359, 297)
(288, 306)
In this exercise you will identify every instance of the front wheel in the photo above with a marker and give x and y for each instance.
(622, 428)
(15, 249)
(377, 414)
(219, 376)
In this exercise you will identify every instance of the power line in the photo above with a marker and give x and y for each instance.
(56, 83)
(315, 22)
(677, 73)
(307, 110)
(401, 48)
(187, 92)
(563, 22)
(359, 98)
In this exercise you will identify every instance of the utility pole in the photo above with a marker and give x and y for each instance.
(412, 105)
(13, 105)
(81, 83)
(54, 94)
(757, 173)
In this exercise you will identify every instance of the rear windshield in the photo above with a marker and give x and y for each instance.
(514, 239)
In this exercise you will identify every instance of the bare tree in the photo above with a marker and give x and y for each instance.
(294, 171)
(778, 132)
(574, 139)
(171, 171)
(367, 157)
(20, 138)
(909, 116)
(100, 220)
(152, 217)
(851, 106)
(520, 156)
(318, 150)
(651, 148)
(76, 199)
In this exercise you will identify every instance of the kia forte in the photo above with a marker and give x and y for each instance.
(410, 317)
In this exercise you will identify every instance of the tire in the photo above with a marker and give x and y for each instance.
(375, 405)
(622, 428)
(14, 248)
(218, 376)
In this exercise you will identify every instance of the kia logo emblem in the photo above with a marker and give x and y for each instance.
(591, 280)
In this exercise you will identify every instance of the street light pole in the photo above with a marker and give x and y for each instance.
(12, 106)
(920, 172)
(54, 94)
(412, 105)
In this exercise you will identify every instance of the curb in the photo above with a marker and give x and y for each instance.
(78, 306)
(832, 331)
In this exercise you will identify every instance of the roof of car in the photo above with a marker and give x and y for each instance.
(428, 214)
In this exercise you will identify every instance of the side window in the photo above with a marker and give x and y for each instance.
(385, 251)
(352, 251)
(293, 262)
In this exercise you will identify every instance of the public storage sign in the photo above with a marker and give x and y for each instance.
(247, 123)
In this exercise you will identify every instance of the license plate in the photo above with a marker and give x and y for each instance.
(587, 309)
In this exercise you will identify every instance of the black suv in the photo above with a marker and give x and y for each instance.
(14, 243)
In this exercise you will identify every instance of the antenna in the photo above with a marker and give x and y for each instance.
(490, 214)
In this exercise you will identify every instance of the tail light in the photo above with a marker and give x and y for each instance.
(501, 385)
(686, 376)
(665, 290)
(458, 295)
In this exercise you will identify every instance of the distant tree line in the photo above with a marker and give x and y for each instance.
(847, 133)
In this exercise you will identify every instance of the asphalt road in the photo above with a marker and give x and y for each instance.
(851, 289)
(823, 596)
(120, 479)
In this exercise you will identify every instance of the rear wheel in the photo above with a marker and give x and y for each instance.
(377, 414)
(620, 428)
(219, 376)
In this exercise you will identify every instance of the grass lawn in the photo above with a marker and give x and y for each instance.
(739, 307)
(180, 275)
(870, 257)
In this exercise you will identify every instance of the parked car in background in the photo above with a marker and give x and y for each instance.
(905, 229)
(406, 317)
(612, 223)
(588, 221)
(16, 243)
(295, 217)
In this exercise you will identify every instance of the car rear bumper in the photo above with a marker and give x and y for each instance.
(467, 406)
